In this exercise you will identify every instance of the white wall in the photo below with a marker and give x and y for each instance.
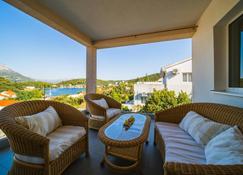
(203, 66)
(175, 82)
(145, 88)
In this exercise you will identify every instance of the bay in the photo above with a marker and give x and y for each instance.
(51, 92)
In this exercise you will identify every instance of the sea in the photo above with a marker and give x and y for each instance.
(52, 92)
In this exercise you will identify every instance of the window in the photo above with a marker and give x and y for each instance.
(236, 53)
(187, 77)
(184, 77)
(190, 77)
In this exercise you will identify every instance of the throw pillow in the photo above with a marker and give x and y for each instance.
(42, 123)
(200, 128)
(226, 148)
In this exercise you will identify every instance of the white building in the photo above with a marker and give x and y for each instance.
(143, 89)
(176, 77)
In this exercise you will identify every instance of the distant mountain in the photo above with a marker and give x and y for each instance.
(11, 75)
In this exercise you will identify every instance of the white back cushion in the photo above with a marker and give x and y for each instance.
(226, 148)
(200, 128)
(41, 123)
(101, 102)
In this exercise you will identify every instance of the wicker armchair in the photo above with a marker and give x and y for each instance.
(25, 142)
(217, 112)
(99, 115)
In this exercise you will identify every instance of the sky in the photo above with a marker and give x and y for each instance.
(36, 50)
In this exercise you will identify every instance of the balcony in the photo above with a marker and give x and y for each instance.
(151, 163)
(106, 24)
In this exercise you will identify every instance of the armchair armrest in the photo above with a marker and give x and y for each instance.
(95, 109)
(26, 142)
(113, 103)
(176, 168)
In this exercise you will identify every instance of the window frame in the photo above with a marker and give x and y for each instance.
(184, 77)
(235, 29)
(187, 76)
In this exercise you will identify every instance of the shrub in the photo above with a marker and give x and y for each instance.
(164, 99)
(125, 108)
(73, 101)
(29, 95)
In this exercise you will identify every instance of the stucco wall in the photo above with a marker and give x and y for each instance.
(175, 82)
(203, 55)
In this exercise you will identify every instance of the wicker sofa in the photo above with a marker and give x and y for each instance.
(99, 115)
(216, 112)
(25, 142)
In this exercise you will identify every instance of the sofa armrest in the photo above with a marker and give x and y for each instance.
(173, 115)
(175, 168)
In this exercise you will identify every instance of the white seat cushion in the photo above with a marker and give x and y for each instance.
(111, 112)
(101, 102)
(61, 139)
(97, 117)
(41, 123)
(200, 128)
(226, 148)
(180, 146)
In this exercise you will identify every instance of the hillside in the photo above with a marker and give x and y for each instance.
(151, 77)
(11, 75)
(82, 81)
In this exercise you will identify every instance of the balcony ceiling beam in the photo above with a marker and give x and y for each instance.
(147, 38)
(47, 16)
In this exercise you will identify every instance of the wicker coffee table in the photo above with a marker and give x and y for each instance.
(122, 143)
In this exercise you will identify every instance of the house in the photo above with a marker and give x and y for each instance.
(142, 90)
(178, 76)
(2, 97)
(7, 94)
(4, 103)
(29, 88)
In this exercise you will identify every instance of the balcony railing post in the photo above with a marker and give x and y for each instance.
(91, 69)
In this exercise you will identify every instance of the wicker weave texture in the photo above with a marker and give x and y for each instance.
(217, 112)
(126, 149)
(25, 142)
(95, 109)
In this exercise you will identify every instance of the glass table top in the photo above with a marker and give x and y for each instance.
(116, 131)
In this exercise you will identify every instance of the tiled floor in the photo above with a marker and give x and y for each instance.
(151, 163)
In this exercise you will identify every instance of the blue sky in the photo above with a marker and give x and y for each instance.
(38, 51)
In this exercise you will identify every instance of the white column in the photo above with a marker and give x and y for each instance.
(91, 69)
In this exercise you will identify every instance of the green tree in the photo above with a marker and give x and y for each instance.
(183, 98)
(122, 92)
(29, 95)
(73, 101)
(164, 99)
(125, 108)
(158, 100)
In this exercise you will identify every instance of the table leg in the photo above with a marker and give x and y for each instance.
(102, 163)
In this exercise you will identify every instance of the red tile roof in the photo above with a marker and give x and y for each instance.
(7, 102)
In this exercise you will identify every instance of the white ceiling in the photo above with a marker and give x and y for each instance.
(105, 19)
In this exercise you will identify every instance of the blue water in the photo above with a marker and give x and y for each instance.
(62, 91)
